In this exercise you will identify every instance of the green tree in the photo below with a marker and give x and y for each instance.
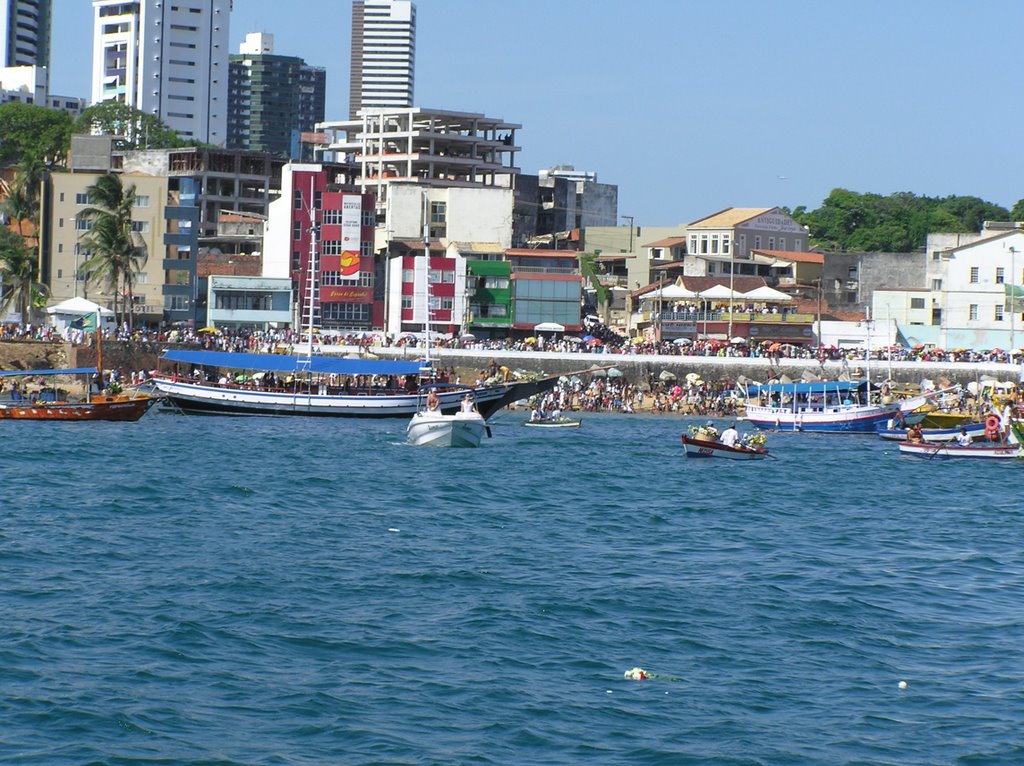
(18, 275)
(135, 129)
(1017, 214)
(116, 253)
(33, 136)
(591, 271)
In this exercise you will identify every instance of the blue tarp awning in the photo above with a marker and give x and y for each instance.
(326, 365)
(816, 387)
(68, 371)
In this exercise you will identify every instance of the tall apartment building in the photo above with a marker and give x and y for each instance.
(166, 59)
(25, 32)
(383, 54)
(272, 99)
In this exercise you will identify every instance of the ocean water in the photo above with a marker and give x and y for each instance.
(288, 591)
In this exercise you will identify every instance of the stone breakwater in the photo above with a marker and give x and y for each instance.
(638, 368)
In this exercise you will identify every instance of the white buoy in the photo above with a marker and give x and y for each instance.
(903, 684)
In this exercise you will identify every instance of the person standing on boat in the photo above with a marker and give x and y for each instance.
(730, 436)
(467, 403)
(433, 403)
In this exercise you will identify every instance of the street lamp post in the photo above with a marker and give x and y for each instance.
(732, 272)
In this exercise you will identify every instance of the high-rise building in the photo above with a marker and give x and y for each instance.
(272, 99)
(25, 32)
(383, 54)
(165, 59)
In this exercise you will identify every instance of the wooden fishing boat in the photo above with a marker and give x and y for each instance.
(696, 447)
(943, 451)
(128, 406)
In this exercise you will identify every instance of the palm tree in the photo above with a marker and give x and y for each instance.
(116, 252)
(18, 285)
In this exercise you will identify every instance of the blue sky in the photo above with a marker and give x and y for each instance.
(690, 107)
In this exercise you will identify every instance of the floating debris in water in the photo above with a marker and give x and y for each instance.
(639, 674)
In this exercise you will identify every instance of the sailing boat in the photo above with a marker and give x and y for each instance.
(316, 384)
(48, 404)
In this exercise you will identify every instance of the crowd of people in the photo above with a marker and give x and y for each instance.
(597, 339)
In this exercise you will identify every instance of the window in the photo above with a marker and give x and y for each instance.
(346, 312)
(141, 200)
(693, 243)
(771, 243)
(917, 303)
(331, 218)
(296, 229)
(438, 212)
(406, 301)
(140, 226)
(757, 242)
(782, 243)
(704, 243)
(297, 199)
(81, 198)
(999, 312)
(798, 245)
(175, 302)
(408, 275)
(937, 285)
(974, 275)
(999, 275)
(331, 247)
(83, 224)
(972, 311)
(369, 218)
(714, 244)
(725, 245)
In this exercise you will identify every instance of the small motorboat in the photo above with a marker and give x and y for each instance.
(934, 435)
(696, 447)
(430, 427)
(434, 429)
(554, 423)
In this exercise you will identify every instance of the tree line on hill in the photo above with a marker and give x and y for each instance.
(898, 223)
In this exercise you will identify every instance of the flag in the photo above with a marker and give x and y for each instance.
(1014, 298)
(85, 323)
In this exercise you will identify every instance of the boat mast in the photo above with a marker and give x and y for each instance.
(99, 358)
(312, 291)
(867, 349)
(426, 277)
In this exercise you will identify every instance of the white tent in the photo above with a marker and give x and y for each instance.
(765, 293)
(671, 293)
(66, 312)
(79, 307)
(719, 292)
(549, 327)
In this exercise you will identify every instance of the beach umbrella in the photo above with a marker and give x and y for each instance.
(467, 336)
(614, 372)
(739, 341)
(594, 342)
(573, 339)
(682, 341)
(693, 377)
(211, 330)
(531, 339)
(666, 376)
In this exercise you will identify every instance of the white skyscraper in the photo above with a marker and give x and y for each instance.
(383, 54)
(166, 59)
(25, 32)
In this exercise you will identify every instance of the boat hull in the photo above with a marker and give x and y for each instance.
(561, 423)
(192, 398)
(701, 448)
(934, 435)
(953, 451)
(853, 419)
(110, 408)
(428, 429)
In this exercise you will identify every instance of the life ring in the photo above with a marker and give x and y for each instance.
(992, 428)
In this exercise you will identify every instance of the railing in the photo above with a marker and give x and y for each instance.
(544, 270)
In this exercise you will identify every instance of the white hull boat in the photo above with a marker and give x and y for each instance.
(434, 429)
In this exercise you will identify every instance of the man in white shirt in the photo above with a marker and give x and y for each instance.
(730, 436)
(963, 438)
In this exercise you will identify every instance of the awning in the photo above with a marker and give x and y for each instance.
(293, 364)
